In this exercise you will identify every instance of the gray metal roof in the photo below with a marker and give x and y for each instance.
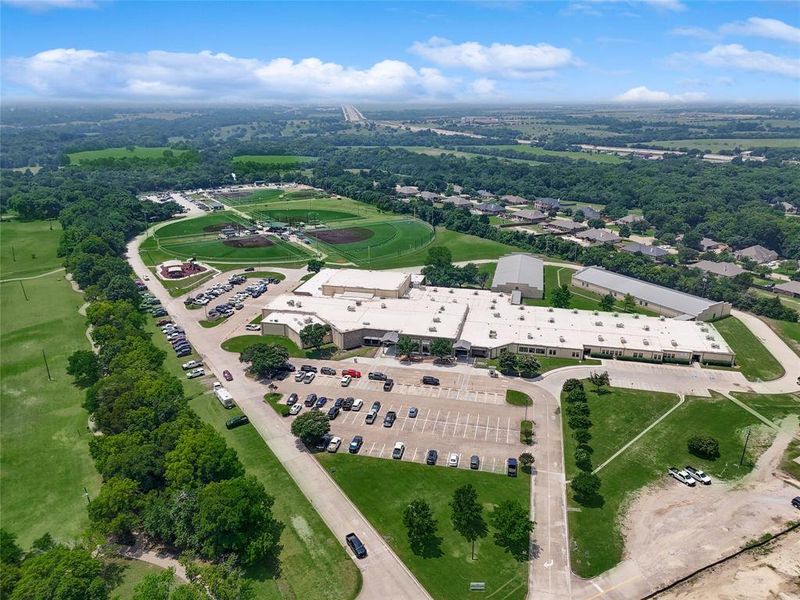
(649, 292)
(519, 268)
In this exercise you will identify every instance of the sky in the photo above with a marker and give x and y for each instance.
(583, 51)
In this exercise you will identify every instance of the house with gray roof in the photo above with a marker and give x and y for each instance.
(588, 212)
(407, 190)
(707, 244)
(758, 253)
(484, 194)
(598, 236)
(566, 226)
(628, 219)
(511, 199)
(429, 196)
(723, 269)
(521, 273)
(491, 208)
(528, 215)
(788, 288)
(547, 203)
(654, 252)
(659, 299)
(457, 201)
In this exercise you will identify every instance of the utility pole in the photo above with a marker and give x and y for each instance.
(24, 293)
(746, 439)
(46, 366)
(13, 255)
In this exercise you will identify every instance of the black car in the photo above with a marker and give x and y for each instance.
(327, 371)
(183, 353)
(237, 422)
(377, 375)
(355, 444)
(511, 467)
(376, 406)
(249, 269)
(796, 501)
(287, 367)
(348, 403)
(291, 399)
(308, 369)
(388, 385)
(310, 400)
(333, 412)
(474, 462)
(339, 402)
(389, 419)
(428, 380)
(432, 457)
(323, 442)
(355, 545)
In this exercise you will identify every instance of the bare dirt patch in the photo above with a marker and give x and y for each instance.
(346, 235)
(251, 241)
(220, 226)
(672, 530)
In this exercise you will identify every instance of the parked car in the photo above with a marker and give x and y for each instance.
(327, 371)
(389, 419)
(310, 400)
(474, 462)
(296, 408)
(399, 448)
(348, 403)
(377, 375)
(252, 327)
(309, 377)
(299, 376)
(323, 442)
(352, 373)
(388, 385)
(355, 545)
(355, 444)
(333, 445)
(192, 364)
(321, 402)
(357, 404)
(431, 457)
(412, 413)
(796, 501)
(511, 467)
(681, 476)
(428, 380)
(308, 368)
(195, 373)
(227, 375)
(452, 460)
(235, 422)
(339, 402)
(376, 406)
(182, 353)
(698, 475)
(333, 412)
(371, 417)
(291, 399)
(345, 381)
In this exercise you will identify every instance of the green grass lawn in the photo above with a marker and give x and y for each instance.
(209, 223)
(29, 248)
(788, 332)
(45, 462)
(257, 197)
(77, 158)
(179, 287)
(298, 215)
(517, 398)
(717, 144)
(774, 407)
(595, 536)
(240, 343)
(306, 540)
(536, 151)
(133, 571)
(755, 361)
(382, 488)
(273, 159)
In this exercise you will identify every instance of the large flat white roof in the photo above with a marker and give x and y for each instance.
(354, 279)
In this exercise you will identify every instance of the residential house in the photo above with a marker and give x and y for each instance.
(758, 253)
(654, 252)
(588, 212)
(789, 288)
(598, 236)
(628, 220)
(565, 226)
(429, 196)
(707, 245)
(491, 208)
(528, 215)
(511, 199)
(406, 190)
(723, 269)
(547, 204)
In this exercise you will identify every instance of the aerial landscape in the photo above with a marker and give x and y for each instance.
(399, 300)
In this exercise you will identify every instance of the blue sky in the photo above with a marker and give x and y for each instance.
(657, 51)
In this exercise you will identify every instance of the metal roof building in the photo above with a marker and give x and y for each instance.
(519, 272)
(659, 299)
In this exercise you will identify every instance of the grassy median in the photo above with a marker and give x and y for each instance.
(754, 360)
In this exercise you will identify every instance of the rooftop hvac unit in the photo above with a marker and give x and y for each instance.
(616, 314)
(620, 325)
(522, 317)
(497, 315)
(358, 302)
(646, 342)
(551, 320)
(561, 339)
(451, 291)
(715, 345)
(437, 320)
(709, 337)
(290, 303)
(674, 343)
(351, 308)
(383, 304)
(435, 289)
(530, 335)
(441, 308)
(598, 323)
(704, 329)
(549, 310)
(298, 303)
(623, 340)
(431, 328)
(307, 320)
(600, 338)
(366, 322)
(492, 333)
(646, 327)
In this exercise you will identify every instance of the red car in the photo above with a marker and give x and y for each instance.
(227, 375)
(352, 373)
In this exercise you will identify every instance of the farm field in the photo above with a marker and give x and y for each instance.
(273, 159)
(382, 488)
(754, 360)
(29, 248)
(45, 463)
(717, 144)
(595, 536)
(305, 534)
(140, 152)
(535, 150)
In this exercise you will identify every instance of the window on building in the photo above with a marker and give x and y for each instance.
(551, 352)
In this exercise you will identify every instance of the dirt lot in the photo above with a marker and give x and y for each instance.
(673, 529)
(347, 235)
(253, 241)
(770, 572)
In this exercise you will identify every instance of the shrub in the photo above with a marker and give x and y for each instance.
(572, 384)
(576, 395)
(583, 460)
(703, 446)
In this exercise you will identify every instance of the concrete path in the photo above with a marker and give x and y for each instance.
(53, 272)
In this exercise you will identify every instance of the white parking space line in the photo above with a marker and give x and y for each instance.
(380, 454)
(371, 448)
(508, 430)
(486, 435)
(466, 426)
(414, 426)
(477, 425)
(494, 460)
(497, 431)
(414, 458)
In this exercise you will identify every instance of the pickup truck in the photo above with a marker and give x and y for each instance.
(681, 476)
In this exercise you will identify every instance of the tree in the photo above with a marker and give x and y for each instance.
(223, 581)
(576, 395)
(419, 523)
(624, 231)
(528, 365)
(572, 384)
(467, 515)
(703, 446)
(313, 335)
(513, 528)
(607, 303)
(577, 408)
(507, 362)
(583, 459)
(628, 303)
(582, 436)
(10, 552)
(311, 426)
(406, 346)
(579, 422)
(561, 297)
(121, 287)
(526, 460)
(62, 574)
(200, 457)
(235, 516)
(114, 512)
(439, 256)
(441, 348)
(586, 487)
(265, 359)
(84, 368)
(155, 586)
(315, 265)
(599, 380)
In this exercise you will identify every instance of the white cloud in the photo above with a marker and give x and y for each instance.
(738, 57)
(208, 76)
(505, 60)
(584, 7)
(484, 87)
(644, 95)
(766, 28)
(696, 32)
(44, 5)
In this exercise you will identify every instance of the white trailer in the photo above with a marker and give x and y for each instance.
(224, 397)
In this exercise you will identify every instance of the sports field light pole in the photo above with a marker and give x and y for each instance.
(24, 293)
(46, 366)
(746, 439)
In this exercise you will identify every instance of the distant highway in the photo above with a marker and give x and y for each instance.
(352, 114)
